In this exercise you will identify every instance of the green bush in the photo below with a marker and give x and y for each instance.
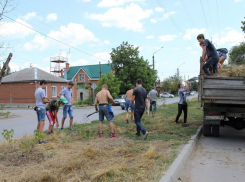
(89, 101)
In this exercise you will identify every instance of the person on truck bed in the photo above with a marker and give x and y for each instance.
(213, 58)
(206, 58)
(222, 58)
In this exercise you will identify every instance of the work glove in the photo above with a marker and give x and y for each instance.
(147, 112)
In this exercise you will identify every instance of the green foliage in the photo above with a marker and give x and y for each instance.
(89, 101)
(194, 85)
(129, 67)
(2, 106)
(243, 26)
(237, 54)
(87, 87)
(171, 83)
(112, 82)
(78, 103)
(166, 85)
(8, 135)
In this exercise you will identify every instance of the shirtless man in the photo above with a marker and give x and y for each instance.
(128, 98)
(102, 97)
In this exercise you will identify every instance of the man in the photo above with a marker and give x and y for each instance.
(52, 110)
(128, 98)
(40, 107)
(153, 100)
(140, 98)
(213, 57)
(67, 108)
(102, 98)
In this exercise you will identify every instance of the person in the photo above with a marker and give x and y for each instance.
(213, 58)
(128, 98)
(104, 110)
(51, 112)
(206, 58)
(182, 105)
(140, 98)
(67, 108)
(222, 57)
(153, 100)
(40, 107)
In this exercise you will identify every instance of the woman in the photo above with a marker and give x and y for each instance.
(182, 105)
(222, 57)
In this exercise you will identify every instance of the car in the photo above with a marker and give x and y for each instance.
(166, 94)
(123, 105)
(192, 93)
(119, 99)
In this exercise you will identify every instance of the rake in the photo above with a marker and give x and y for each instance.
(85, 117)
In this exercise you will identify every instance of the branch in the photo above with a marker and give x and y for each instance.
(5, 66)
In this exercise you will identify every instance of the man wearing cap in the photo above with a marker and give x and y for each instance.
(153, 100)
(51, 111)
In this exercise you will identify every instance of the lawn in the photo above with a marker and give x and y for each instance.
(82, 156)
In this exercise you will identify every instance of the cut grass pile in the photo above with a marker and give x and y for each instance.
(232, 71)
(82, 156)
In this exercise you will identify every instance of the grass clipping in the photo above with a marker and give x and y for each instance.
(232, 71)
(83, 156)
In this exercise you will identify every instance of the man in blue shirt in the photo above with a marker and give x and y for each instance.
(67, 108)
(213, 57)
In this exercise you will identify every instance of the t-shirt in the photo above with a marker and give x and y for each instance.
(140, 96)
(153, 95)
(54, 105)
(182, 95)
(211, 49)
(102, 96)
(129, 94)
(39, 95)
(67, 93)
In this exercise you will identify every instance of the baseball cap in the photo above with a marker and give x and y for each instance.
(63, 99)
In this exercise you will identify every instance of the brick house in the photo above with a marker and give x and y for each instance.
(20, 86)
(86, 76)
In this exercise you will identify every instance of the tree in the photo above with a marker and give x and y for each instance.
(166, 85)
(194, 85)
(237, 54)
(112, 82)
(129, 67)
(171, 83)
(243, 26)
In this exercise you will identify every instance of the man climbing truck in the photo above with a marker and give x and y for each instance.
(223, 101)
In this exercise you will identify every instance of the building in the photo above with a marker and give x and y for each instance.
(85, 76)
(19, 87)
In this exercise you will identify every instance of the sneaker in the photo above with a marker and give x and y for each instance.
(127, 121)
(62, 129)
(72, 129)
(113, 135)
(145, 135)
(101, 135)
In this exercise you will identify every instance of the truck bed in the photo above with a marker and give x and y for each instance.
(221, 90)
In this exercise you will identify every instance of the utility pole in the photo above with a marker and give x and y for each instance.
(100, 70)
(153, 63)
(178, 73)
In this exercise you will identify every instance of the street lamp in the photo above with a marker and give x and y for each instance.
(153, 60)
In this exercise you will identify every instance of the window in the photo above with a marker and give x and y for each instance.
(62, 87)
(81, 78)
(45, 90)
(54, 91)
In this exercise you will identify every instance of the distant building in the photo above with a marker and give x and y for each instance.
(20, 86)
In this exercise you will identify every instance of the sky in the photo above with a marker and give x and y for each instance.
(85, 31)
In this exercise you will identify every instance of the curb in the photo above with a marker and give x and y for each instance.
(176, 168)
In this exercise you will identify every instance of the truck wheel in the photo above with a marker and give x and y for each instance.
(215, 130)
(206, 129)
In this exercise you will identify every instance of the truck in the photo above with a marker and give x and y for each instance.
(223, 102)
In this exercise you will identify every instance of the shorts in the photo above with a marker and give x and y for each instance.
(127, 105)
(51, 118)
(67, 109)
(154, 104)
(40, 114)
(223, 54)
(104, 112)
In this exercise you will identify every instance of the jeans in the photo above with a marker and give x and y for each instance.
(212, 62)
(67, 109)
(138, 113)
(127, 105)
(180, 108)
(104, 112)
(41, 114)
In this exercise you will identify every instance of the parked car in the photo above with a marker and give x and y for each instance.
(119, 99)
(192, 93)
(123, 105)
(166, 94)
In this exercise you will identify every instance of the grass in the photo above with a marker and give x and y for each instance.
(82, 156)
(4, 114)
(232, 71)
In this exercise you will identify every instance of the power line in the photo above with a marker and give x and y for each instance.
(205, 17)
(210, 16)
(53, 38)
(188, 13)
(218, 16)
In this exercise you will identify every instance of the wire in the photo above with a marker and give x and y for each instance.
(53, 38)
(210, 17)
(205, 17)
(218, 16)
(188, 13)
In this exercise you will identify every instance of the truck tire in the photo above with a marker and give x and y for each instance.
(215, 130)
(206, 129)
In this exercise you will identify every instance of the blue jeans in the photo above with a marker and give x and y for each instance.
(138, 113)
(212, 62)
(127, 105)
(41, 114)
(67, 109)
(104, 112)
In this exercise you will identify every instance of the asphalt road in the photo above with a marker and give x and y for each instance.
(24, 121)
(218, 159)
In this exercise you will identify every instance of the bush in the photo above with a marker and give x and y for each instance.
(89, 101)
